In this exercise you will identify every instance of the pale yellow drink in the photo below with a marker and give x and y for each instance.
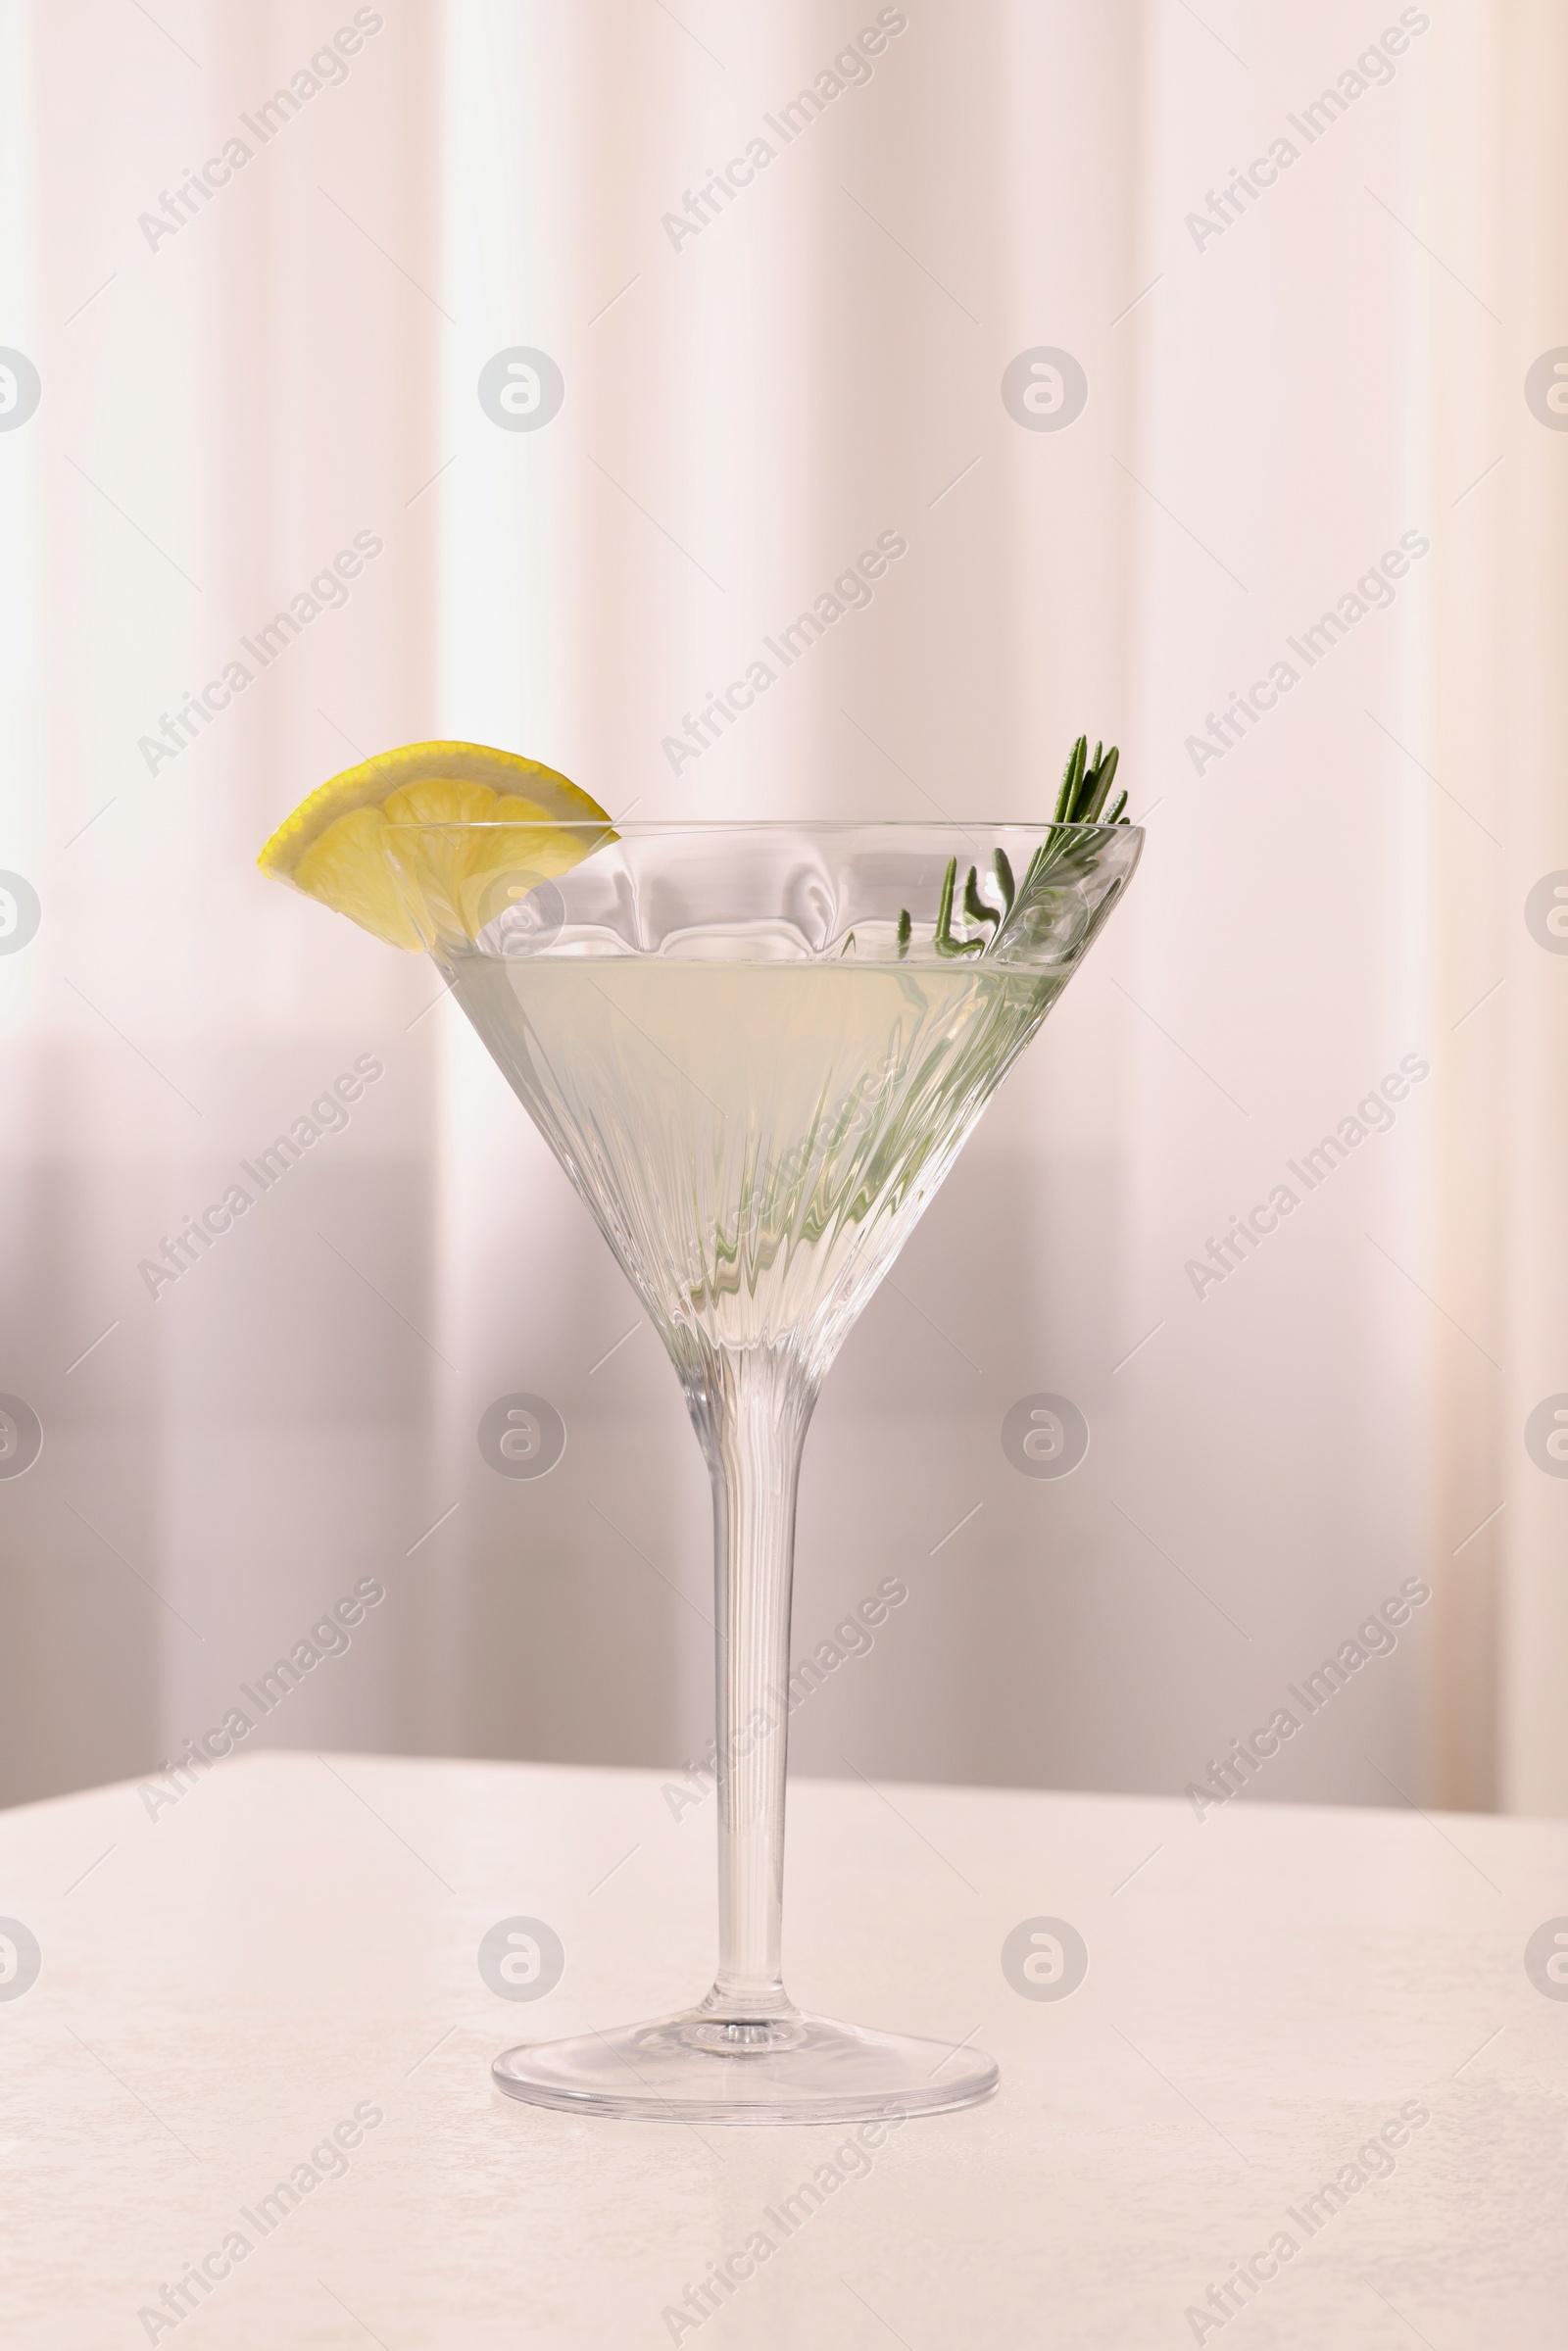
(754, 1138)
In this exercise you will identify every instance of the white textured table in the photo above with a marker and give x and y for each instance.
(292, 1948)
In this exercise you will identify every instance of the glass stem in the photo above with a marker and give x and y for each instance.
(753, 1420)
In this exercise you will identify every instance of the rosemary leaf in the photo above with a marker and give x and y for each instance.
(1105, 774)
(943, 942)
(1069, 782)
(975, 907)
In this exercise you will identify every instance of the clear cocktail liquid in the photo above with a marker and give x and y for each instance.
(755, 1138)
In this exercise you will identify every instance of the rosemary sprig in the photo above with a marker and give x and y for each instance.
(1085, 788)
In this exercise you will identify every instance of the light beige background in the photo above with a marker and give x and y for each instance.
(1266, 415)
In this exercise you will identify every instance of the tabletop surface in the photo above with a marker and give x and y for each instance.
(1307, 2042)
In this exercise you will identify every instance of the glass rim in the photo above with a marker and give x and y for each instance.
(653, 827)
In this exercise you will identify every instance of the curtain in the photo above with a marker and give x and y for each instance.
(1219, 452)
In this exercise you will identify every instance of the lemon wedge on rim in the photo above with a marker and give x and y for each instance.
(346, 845)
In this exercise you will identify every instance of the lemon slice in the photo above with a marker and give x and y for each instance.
(348, 846)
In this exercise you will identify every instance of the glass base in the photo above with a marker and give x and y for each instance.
(700, 2067)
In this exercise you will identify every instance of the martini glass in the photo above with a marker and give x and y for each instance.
(756, 1050)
